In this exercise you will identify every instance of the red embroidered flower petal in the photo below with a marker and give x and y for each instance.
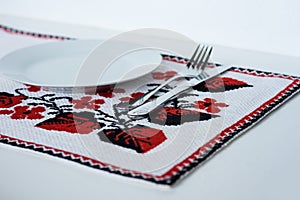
(34, 88)
(213, 109)
(8, 100)
(99, 101)
(221, 104)
(34, 116)
(19, 112)
(92, 106)
(107, 94)
(200, 104)
(171, 73)
(137, 94)
(6, 112)
(38, 109)
(124, 99)
(21, 109)
(79, 105)
(210, 100)
(23, 112)
(158, 75)
(18, 116)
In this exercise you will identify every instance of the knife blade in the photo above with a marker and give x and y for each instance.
(181, 87)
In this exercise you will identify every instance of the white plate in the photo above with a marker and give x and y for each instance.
(58, 64)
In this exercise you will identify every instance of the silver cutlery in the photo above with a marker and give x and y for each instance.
(182, 86)
(198, 56)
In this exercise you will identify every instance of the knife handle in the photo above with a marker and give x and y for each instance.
(149, 106)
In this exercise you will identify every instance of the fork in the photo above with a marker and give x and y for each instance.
(182, 86)
(198, 54)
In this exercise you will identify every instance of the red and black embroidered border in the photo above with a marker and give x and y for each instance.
(198, 157)
(10, 30)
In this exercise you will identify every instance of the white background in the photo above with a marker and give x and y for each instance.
(262, 164)
(266, 25)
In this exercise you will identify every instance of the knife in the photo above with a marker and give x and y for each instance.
(181, 87)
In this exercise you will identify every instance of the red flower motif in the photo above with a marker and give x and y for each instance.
(8, 100)
(163, 76)
(6, 112)
(158, 75)
(87, 102)
(170, 74)
(24, 112)
(210, 105)
(132, 97)
(32, 88)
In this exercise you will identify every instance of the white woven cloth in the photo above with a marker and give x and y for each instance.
(93, 129)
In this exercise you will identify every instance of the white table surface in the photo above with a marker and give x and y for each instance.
(266, 25)
(261, 164)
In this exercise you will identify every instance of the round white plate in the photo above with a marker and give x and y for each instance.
(59, 64)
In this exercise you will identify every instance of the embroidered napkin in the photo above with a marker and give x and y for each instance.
(92, 128)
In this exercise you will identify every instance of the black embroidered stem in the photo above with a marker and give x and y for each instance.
(48, 103)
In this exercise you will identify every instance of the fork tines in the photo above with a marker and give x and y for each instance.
(200, 57)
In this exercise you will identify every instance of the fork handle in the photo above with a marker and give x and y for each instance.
(139, 101)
